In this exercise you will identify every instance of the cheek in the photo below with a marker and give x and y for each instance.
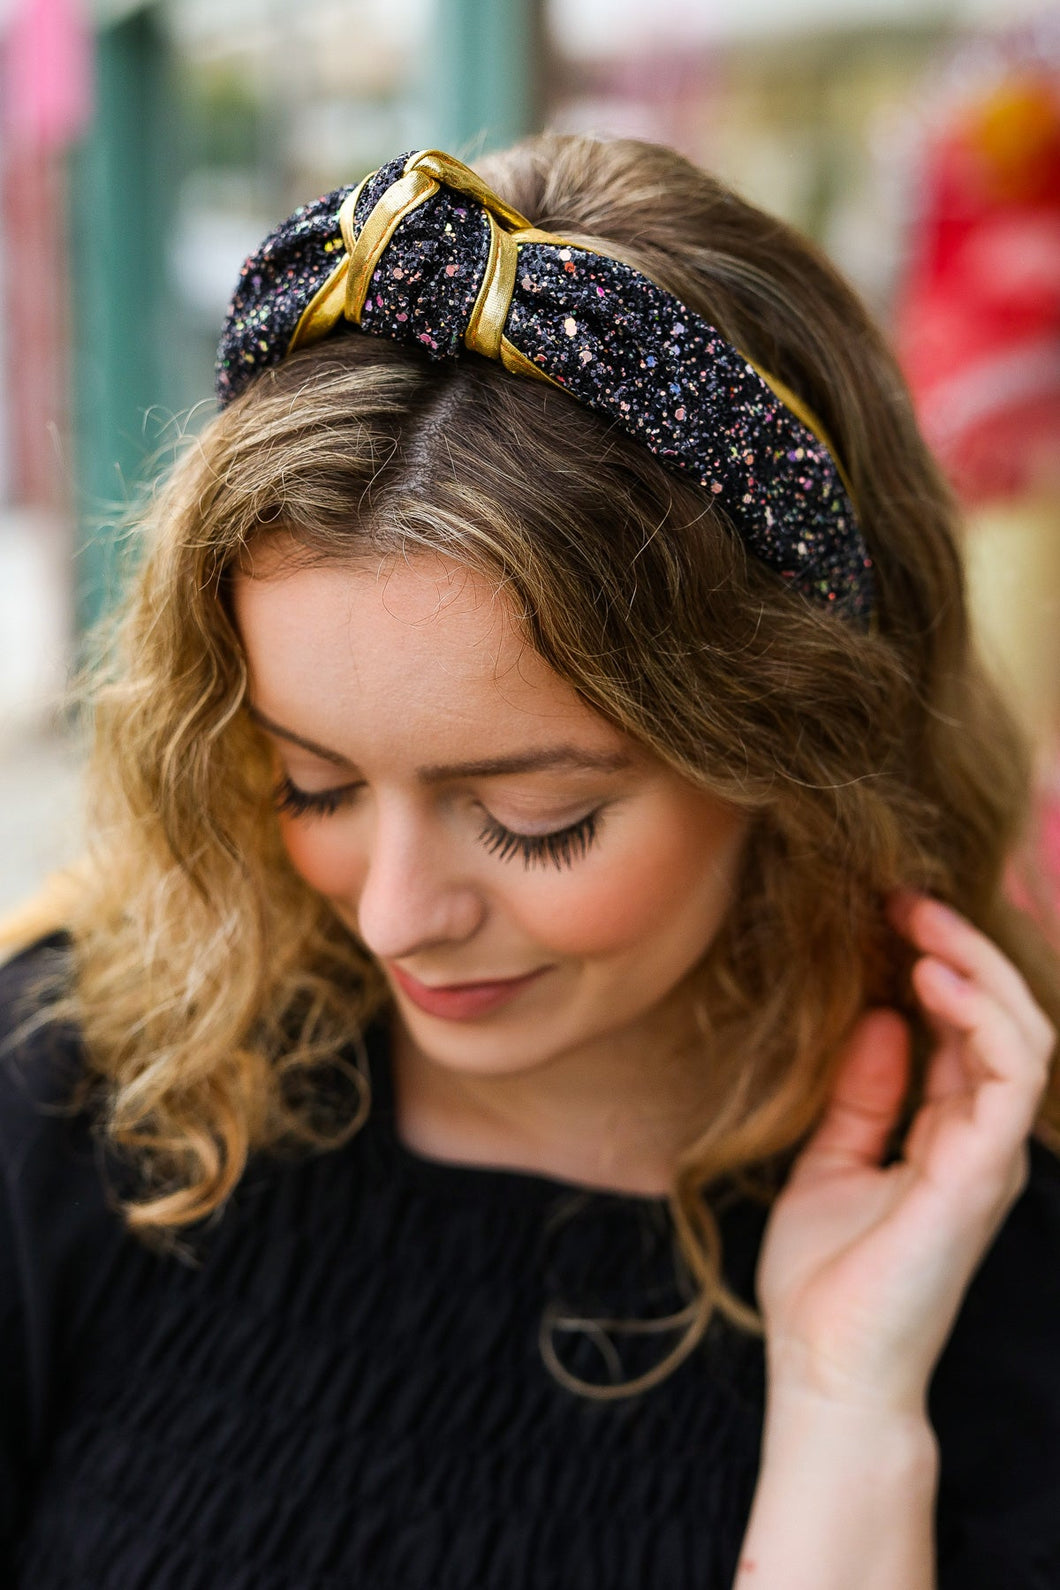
(324, 858)
(675, 884)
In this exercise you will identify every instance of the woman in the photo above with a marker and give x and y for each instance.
(538, 1073)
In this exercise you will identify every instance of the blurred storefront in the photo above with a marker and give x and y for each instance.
(977, 320)
(207, 120)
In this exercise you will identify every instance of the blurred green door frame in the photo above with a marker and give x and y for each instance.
(121, 193)
(485, 65)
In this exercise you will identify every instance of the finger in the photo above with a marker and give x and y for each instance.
(940, 931)
(947, 1075)
(1006, 1072)
(868, 1094)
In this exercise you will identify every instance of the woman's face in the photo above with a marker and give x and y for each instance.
(531, 881)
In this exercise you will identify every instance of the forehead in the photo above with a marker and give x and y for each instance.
(416, 645)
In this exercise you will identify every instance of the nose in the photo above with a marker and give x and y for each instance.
(414, 894)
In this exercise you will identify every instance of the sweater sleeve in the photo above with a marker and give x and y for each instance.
(14, 1381)
(53, 1218)
(995, 1405)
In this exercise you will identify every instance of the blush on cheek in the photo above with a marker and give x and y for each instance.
(679, 877)
(321, 858)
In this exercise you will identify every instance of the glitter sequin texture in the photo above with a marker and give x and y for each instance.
(615, 341)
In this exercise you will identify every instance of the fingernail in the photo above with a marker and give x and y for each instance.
(946, 974)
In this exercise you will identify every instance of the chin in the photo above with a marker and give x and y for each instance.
(490, 1047)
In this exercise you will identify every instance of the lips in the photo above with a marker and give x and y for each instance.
(462, 1001)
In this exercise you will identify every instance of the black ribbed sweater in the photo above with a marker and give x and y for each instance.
(346, 1389)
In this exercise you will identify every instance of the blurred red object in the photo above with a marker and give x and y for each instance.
(48, 73)
(978, 316)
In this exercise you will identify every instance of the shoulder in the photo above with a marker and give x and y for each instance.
(49, 1166)
(41, 1059)
(995, 1404)
(54, 1222)
(30, 974)
(55, 1213)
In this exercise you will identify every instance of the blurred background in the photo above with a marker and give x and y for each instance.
(145, 149)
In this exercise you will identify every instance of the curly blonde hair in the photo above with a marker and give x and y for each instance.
(212, 983)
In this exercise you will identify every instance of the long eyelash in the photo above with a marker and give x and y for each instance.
(562, 848)
(300, 803)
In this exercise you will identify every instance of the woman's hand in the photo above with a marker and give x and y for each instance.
(863, 1266)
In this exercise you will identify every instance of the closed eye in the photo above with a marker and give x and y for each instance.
(563, 847)
(304, 803)
(560, 848)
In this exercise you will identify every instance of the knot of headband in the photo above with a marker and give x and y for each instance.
(423, 252)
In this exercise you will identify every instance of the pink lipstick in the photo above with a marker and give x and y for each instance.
(461, 1001)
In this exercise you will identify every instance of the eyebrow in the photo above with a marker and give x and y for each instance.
(545, 758)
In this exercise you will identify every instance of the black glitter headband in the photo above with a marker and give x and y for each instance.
(423, 252)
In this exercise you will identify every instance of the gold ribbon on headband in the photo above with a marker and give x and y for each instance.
(343, 294)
